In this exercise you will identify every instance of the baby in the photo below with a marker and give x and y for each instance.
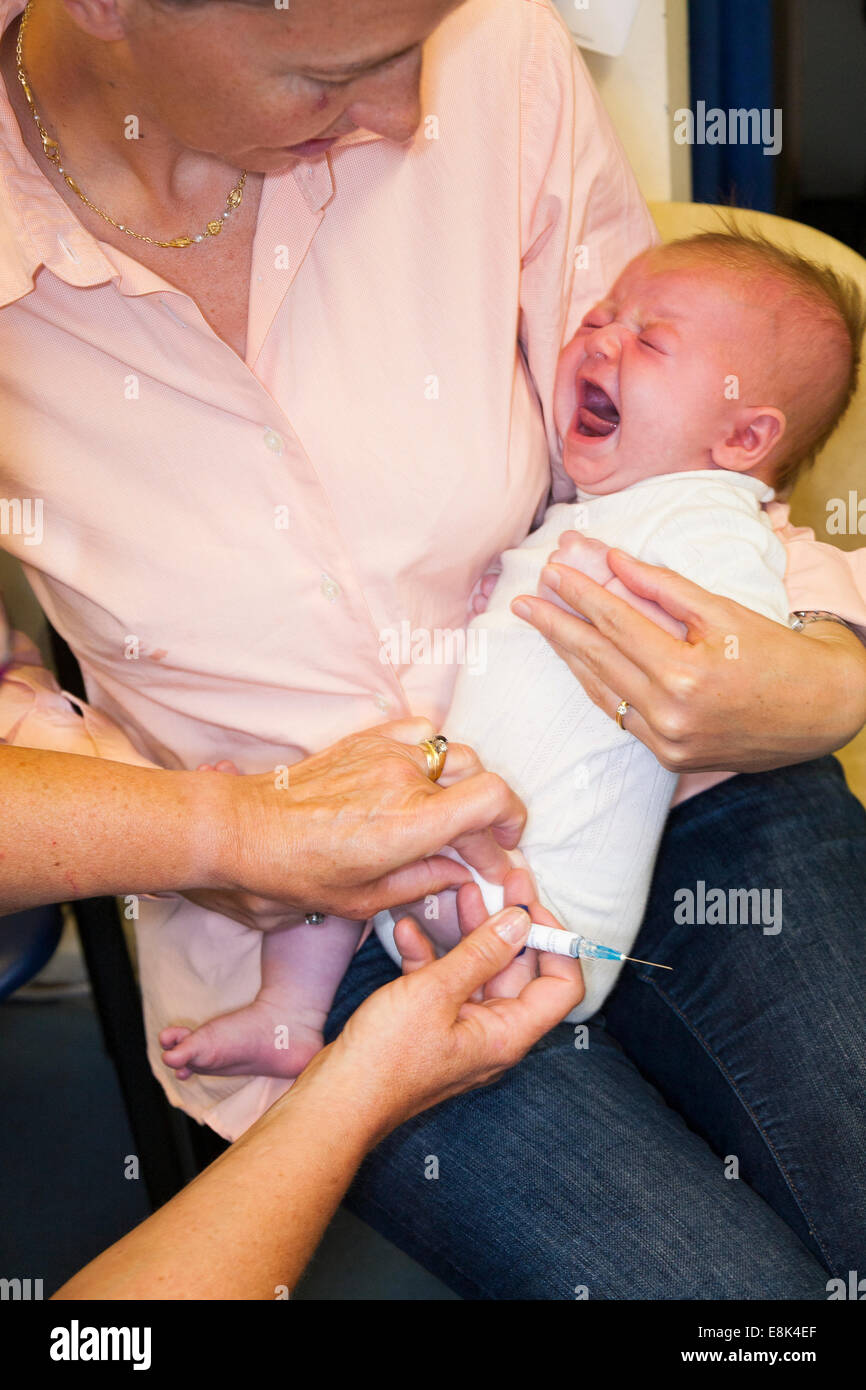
(711, 372)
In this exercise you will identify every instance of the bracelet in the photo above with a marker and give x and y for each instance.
(797, 621)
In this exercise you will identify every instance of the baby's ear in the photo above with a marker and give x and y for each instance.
(756, 433)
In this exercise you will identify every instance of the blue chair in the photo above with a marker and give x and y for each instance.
(28, 940)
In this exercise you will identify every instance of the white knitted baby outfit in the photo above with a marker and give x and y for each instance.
(597, 799)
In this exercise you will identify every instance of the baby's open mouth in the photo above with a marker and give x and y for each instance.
(597, 416)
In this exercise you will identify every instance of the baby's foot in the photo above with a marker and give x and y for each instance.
(267, 1038)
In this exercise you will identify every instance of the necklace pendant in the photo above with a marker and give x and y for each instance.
(234, 198)
(214, 228)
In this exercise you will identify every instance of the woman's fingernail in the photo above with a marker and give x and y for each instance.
(512, 924)
(550, 578)
(522, 609)
(522, 952)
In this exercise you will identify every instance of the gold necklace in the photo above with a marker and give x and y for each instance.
(51, 150)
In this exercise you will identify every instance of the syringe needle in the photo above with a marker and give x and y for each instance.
(654, 963)
(569, 943)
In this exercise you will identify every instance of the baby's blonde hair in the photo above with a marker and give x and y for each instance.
(836, 320)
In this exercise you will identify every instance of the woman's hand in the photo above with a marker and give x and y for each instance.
(354, 829)
(463, 912)
(519, 887)
(423, 1038)
(738, 693)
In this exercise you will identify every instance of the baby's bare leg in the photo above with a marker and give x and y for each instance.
(281, 1030)
(437, 917)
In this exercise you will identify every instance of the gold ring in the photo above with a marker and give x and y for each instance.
(622, 710)
(435, 751)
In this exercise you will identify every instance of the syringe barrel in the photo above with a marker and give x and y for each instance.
(559, 943)
(567, 943)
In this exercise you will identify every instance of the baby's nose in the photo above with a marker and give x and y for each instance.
(604, 342)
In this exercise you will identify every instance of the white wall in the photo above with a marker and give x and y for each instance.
(642, 89)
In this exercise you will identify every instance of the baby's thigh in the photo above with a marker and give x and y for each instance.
(437, 916)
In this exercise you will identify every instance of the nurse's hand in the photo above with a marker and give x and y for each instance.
(460, 914)
(787, 697)
(437, 1031)
(354, 829)
(250, 1222)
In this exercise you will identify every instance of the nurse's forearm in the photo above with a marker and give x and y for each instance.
(248, 1225)
(77, 827)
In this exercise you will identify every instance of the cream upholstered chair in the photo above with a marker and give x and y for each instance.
(841, 466)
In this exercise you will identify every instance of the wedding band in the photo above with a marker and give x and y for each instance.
(622, 710)
(314, 919)
(435, 751)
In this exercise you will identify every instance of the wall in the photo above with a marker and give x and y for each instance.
(642, 89)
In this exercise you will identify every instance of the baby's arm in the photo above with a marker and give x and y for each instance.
(588, 555)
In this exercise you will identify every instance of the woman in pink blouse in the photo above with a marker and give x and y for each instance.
(279, 319)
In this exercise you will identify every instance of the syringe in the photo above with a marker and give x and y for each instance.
(557, 941)
(569, 943)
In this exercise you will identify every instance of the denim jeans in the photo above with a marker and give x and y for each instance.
(704, 1137)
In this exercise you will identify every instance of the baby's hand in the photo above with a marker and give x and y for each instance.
(480, 596)
(436, 915)
(590, 557)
